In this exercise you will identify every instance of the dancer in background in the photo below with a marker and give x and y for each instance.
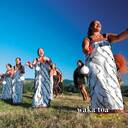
(17, 82)
(56, 81)
(7, 83)
(79, 80)
(103, 82)
(41, 65)
(60, 84)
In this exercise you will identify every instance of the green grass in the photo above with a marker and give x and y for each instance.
(62, 114)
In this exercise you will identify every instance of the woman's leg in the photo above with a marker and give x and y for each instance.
(84, 92)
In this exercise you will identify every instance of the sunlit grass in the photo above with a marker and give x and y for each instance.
(62, 114)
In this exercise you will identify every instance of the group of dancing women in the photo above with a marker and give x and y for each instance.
(47, 82)
(102, 76)
(13, 82)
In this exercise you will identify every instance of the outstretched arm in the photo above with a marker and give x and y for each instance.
(31, 65)
(113, 38)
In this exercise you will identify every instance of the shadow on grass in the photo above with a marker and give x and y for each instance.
(26, 96)
(24, 105)
(64, 108)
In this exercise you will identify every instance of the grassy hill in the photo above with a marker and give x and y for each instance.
(63, 113)
(68, 82)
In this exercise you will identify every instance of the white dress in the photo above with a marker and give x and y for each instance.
(17, 89)
(7, 88)
(42, 86)
(102, 80)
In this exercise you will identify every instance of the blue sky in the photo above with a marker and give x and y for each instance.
(58, 26)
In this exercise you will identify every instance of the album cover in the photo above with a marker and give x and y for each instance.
(63, 64)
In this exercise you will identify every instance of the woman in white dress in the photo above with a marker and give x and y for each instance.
(41, 96)
(7, 83)
(102, 80)
(17, 82)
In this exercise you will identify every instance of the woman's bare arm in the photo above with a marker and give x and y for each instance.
(31, 65)
(85, 46)
(113, 38)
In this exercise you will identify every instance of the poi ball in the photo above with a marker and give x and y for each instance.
(37, 68)
(84, 70)
(22, 78)
(4, 82)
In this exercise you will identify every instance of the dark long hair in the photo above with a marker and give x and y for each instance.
(90, 32)
(9, 65)
(19, 59)
(20, 66)
(38, 50)
(90, 28)
(80, 61)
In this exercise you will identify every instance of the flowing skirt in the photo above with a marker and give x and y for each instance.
(7, 89)
(17, 83)
(41, 96)
(102, 80)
